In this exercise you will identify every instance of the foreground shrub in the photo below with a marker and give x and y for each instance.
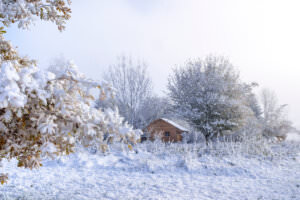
(46, 113)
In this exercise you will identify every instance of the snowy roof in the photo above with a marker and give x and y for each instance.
(175, 124)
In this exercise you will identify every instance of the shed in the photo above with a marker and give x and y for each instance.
(168, 130)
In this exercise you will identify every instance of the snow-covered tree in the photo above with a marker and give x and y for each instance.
(275, 121)
(254, 104)
(44, 113)
(133, 88)
(24, 12)
(210, 95)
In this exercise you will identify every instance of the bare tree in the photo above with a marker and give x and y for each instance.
(133, 88)
(154, 108)
(275, 121)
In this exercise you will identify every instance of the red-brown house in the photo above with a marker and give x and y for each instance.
(165, 129)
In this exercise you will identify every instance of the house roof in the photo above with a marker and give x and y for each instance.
(175, 124)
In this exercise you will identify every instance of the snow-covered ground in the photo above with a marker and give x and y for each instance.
(293, 137)
(144, 175)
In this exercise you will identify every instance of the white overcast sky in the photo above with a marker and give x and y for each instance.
(260, 37)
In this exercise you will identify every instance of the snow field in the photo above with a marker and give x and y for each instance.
(145, 175)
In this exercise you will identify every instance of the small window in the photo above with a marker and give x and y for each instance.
(167, 134)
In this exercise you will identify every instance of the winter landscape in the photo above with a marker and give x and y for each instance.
(198, 129)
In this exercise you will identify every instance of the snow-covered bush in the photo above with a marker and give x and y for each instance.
(251, 129)
(45, 113)
(193, 136)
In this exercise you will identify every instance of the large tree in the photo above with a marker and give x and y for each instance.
(210, 95)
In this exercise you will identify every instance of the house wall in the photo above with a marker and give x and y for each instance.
(159, 127)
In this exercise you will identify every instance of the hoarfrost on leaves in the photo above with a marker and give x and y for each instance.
(47, 113)
(24, 12)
